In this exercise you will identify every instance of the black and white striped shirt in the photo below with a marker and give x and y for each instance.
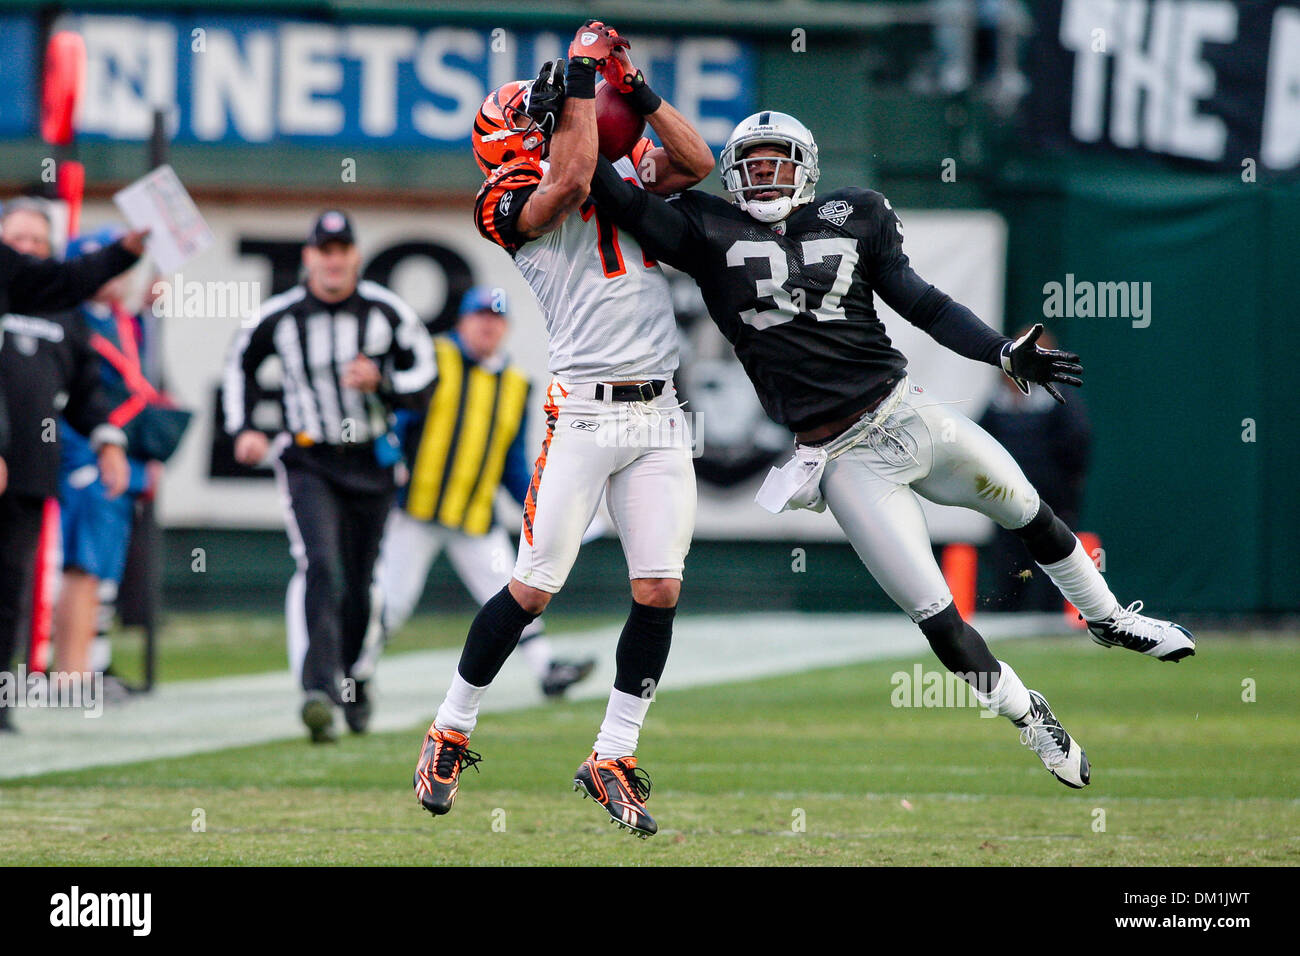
(314, 342)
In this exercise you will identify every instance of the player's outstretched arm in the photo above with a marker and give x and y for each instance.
(948, 322)
(37, 285)
(572, 154)
(663, 231)
(684, 158)
(957, 328)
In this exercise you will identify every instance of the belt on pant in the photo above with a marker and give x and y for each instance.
(618, 391)
(824, 434)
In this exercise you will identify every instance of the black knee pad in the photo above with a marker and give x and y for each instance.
(1047, 537)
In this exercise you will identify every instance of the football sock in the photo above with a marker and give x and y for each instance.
(639, 664)
(960, 648)
(101, 648)
(101, 653)
(492, 636)
(621, 728)
(643, 649)
(1047, 537)
(1082, 584)
(1059, 553)
(459, 710)
(536, 648)
(1010, 697)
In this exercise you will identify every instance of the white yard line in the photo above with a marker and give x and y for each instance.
(189, 717)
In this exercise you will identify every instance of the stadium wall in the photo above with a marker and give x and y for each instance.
(1194, 490)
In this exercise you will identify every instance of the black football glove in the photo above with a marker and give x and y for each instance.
(1026, 362)
(546, 97)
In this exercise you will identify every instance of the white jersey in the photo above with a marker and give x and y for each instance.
(608, 308)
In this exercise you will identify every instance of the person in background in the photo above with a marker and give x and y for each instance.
(1051, 442)
(46, 356)
(351, 352)
(96, 523)
(468, 443)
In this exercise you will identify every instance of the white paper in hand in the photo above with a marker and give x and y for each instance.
(159, 202)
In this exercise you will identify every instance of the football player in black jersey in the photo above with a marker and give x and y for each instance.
(791, 284)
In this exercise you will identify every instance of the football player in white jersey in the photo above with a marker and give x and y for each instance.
(613, 424)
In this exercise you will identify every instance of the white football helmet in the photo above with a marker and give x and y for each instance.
(769, 128)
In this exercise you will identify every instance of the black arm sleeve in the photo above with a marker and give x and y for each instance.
(664, 232)
(956, 327)
(46, 285)
(949, 323)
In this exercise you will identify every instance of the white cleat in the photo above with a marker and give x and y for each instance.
(1043, 734)
(1163, 640)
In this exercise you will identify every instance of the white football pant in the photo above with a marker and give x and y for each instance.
(931, 450)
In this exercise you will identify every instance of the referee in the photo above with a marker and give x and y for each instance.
(350, 351)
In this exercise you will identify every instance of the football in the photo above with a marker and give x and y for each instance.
(617, 124)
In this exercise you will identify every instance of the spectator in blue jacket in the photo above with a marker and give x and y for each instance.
(96, 525)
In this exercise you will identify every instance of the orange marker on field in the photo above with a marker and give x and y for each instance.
(959, 564)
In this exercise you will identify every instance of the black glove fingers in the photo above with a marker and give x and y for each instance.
(1058, 355)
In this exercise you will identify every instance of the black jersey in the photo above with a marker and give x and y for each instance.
(48, 368)
(796, 301)
(796, 298)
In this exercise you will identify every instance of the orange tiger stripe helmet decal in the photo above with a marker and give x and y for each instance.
(503, 131)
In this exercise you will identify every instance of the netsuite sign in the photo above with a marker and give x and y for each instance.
(256, 80)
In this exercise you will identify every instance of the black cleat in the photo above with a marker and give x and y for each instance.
(620, 787)
(564, 674)
(1041, 732)
(356, 712)
(437, 775)
(1126, 628)
(318, 715)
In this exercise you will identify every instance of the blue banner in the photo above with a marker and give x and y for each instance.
(20, 92)
(253, 80)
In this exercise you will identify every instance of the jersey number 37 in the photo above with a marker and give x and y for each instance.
(814, 251)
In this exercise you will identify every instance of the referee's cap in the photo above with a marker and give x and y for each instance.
(483, 298)
(333, 225)
(87, 243)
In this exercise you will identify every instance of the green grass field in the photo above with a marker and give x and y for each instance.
(817, 768)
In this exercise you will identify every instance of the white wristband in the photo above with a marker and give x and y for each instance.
(107, 434)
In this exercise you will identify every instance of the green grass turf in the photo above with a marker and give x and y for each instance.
(199, 645)
(1185, 771)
